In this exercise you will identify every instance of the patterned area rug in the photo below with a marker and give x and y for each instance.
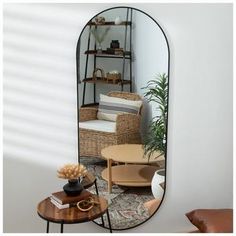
(126, 207)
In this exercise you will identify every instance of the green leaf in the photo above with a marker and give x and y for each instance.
(157, 91)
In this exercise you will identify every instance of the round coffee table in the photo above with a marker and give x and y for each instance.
(72, 215)
(135, 172)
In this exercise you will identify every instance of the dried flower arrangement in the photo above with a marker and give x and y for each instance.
(71, 171)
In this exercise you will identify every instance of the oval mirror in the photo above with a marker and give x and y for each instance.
(122, 88)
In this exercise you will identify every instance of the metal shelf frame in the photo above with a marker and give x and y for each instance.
(127, 55)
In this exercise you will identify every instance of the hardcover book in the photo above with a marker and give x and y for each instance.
(58, 205)
(62, 198)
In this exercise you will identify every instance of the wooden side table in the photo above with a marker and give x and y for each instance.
(47, 211)
(139, 174)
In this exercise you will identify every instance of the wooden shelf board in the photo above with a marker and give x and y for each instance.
(99, 80)
(110, 23)
(131, 175)
(105, 53)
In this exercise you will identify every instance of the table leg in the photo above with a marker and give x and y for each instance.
(109, 222)
(109, 166)
(47, 226)
(96, 187)
(61, 227)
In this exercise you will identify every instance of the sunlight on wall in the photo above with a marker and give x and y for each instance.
(40, 82)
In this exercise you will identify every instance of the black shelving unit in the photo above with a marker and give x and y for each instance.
(123, 56)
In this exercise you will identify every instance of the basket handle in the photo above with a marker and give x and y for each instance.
(95, 73)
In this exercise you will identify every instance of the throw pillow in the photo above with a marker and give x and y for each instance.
(110, 107)
(212, 220)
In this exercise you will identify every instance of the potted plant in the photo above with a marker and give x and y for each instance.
(157, 92)
(155, 140)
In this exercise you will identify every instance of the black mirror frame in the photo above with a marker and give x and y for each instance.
(78, 81)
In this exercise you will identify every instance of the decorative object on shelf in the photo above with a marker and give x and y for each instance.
(115, 44)
(86, 205)
(99, 20)
(157, 180)
(119, 51)
(118, 20)
(99, 36)
(95, 77)
(115, 51)
(73, 187)
(157, 91)
(114, 76)
(62, 198)
(72, 172)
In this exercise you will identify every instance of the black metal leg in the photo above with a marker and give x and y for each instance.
(61, 227)
(96, 187)
(83, 99)
(109, 222)
(47, 226)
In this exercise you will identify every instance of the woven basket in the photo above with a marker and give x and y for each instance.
(113, 77)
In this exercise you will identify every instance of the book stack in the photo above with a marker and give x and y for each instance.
(116, 51)
(61, 200)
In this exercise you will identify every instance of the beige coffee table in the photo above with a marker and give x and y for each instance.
(134, 172)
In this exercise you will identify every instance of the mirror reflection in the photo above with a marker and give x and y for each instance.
(122, 68)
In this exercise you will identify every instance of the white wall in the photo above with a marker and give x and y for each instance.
(151, 59)
(40, 116)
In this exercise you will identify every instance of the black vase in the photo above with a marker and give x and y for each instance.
(73, 187)
(115, 44)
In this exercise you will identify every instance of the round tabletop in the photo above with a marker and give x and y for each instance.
(50, 212)
(130, 153)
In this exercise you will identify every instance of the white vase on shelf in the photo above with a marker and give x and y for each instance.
(157, 179)
(118, 20)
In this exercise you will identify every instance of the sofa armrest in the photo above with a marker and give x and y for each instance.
(87, 113)
(127, 123)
